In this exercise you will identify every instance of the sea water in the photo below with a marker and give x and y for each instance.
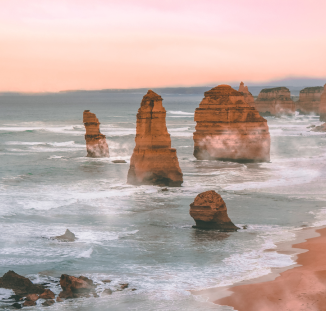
(142, 235)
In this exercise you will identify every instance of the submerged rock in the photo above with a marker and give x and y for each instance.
(309, 100)
(73, 287)
(96, 144)
(322, 105)
(107, 291)
(319, 128)
(119, 161)
(67, 237)
(209, 212)
(275, 101)
(229, 129)
(48, 303)
(249, 99)
(153, 160)
(29, 303)
(123, 286)
(17, 305)
(19, 284)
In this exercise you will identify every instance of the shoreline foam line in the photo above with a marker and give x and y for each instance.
(254, 294)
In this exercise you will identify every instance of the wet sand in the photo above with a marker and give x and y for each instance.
(298, 287)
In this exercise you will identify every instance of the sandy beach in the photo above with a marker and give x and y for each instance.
(299, 288)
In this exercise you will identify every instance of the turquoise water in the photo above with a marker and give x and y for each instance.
(141, 235)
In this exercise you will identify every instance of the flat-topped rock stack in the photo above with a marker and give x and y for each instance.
(229, 129)
(153, 160)
(96, 144)
(322, 105)
(247, 95)
(309, 100)
(275, 101)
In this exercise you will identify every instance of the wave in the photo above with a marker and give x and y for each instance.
(181, 113)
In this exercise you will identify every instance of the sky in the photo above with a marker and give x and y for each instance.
(49, 46)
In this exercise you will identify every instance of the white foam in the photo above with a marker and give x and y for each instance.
(6, 293)
(181, 113)
(86, 254)
(286, 178)
(55, 157)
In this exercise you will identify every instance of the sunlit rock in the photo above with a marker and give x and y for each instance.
(96, 144)
(153, 160)
(229, 129)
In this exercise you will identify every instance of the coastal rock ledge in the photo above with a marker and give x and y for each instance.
(153, 160)
(209, 212)
(228, 129)
(96, 144)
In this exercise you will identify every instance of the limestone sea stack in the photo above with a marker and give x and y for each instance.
(96, 144)
(309, 100)
(209, 212)
(153, 160)
(322, 105)
(249, 99)
(275, 102)
(229, 129)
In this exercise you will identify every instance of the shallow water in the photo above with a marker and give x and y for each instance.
(142, 235)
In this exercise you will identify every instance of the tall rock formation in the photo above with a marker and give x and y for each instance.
(96, 144)
(275, 101)
(209, 212)
(229, 129)
(309, 100)
(249, 99)
(322, 105)
(153, 160)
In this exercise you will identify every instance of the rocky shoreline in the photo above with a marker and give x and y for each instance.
(27, 293)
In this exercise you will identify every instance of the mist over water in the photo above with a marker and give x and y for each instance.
(141, 235)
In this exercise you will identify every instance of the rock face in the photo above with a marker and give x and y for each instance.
(275, 101)
(229, 129)
(249, 99)
(19, 284)
(73, 287)
(153, 160)
(209, 212)
(67, 237)
(322, 105)
(96, 144)
(309, 100)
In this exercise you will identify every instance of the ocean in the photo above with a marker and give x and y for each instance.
(142, 235)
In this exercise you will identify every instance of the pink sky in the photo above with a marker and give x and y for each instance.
(82, 44)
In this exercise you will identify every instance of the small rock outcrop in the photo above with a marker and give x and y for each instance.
(249, 99)
(309, 100)
(322, 105)
(67, 237)
(73, 287)
(19, 284)
(153, 160)
(96, 144)
(275, 102)
(229, 129)
(319, 128)
(209, 212)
